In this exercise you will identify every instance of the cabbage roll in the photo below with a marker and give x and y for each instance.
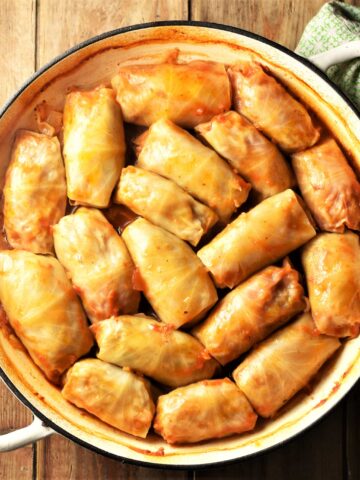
(34, 192)
(94, 146)
(153, 348)
(169, 273)
(283, 364)
(175, 154)
(44, 311)
(116, 396)
(329, 186)
(97, 262)
(268, 105)
(257, 238)
(203, 410)
(249, 152)
(332, 267)
(186, 94)
(251, 312)
(164, 203)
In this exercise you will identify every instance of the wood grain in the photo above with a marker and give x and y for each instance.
(278, 20)
(17, 62)
(84, 19)
(17, 44)
(352, 440)
(317, 454)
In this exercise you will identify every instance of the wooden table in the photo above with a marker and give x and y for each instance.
(32, 32)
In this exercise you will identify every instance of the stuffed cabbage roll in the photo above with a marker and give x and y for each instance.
(251, 312)
(173, 153)
(257, 238)
(249, 152)
(116, 396)
(94, 146)
(283, 364)
(332, 266)
(98, 263)
(203, 410)
(329, 186)
(44, 311)
(153, 348)
(34, 192)
(169, 273)
(187, 94)
(268, 105)
(164, 203)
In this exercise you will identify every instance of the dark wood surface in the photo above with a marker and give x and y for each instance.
(31, 33)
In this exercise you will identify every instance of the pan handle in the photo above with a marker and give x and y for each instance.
(342, 53)
(29, 434)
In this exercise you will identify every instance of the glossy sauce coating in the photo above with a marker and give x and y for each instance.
(283, 364)
(268, 105)
(250, 312)
(164, 203)
(203, 410)
(170, 274)
(172, 152)
(153, 348)
(186, 94)
(269, 231)
(329, 186)
(249, 152)
(332, 266)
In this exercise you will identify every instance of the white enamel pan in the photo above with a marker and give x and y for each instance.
(94, 62)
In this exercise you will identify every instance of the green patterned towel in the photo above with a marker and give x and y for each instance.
(336, 23)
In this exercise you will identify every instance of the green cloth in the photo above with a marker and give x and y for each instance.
(336, 23)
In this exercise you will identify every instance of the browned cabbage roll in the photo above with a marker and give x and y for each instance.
(187, 94)
(116, 396)
(257, 238)
(164, 203)
(283, 364)
(251, 312)
(34, 192)
(329, 186)
(172, 152)
(169, 273)
(267, 104)
(332, 266)
(98, 263)
(153, 348)
(94, 146)
(249, 152)
(203, 410)
(44, 310)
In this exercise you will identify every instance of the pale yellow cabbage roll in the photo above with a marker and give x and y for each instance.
(169, 273)
(98, 263)
(248, 151)
(186, 93)
(34, 192)
(172, 152)
(153, 348)
(271, 108)
(43, 309)
(164, 203)
(329, 186)
(94, 145)
(250, 312)
(332, 268)
(268, 232)
(116, 396)
(283, 364)
(203, 410)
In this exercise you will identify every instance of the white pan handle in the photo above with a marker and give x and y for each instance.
(342, 53)
(19, 438)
